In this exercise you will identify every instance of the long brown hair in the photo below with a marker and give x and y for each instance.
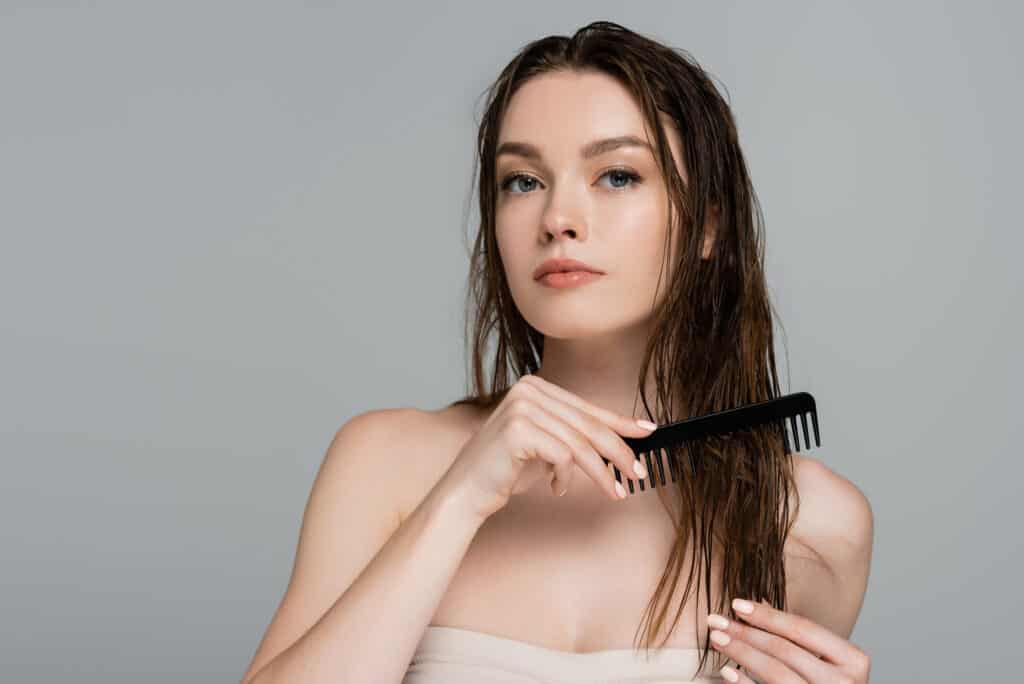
(712, 345)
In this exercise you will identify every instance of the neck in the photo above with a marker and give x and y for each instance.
(602, 371)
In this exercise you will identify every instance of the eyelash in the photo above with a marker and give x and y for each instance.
(635, 178)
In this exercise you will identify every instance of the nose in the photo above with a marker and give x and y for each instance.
(561, 231)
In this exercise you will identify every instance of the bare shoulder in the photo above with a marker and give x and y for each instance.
(405, 426)
(835, 518)
(418, 446)
(414, 444)
(369, 473)
(836, 523)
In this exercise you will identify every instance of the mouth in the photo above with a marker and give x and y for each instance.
(562, 265)
(567, 279)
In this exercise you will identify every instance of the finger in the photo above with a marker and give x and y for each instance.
(560, 485)
(621, 424)
(538, 443)
(563, 418)
(616, 475)
(800, 630)
(793, 656)
(601, 436)
(765, 667)
(731, 674)
(581, 452)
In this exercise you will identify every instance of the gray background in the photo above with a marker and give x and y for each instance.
(227, 228)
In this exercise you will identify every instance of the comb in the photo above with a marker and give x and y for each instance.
(772, 412)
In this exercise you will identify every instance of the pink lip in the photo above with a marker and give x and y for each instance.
(562, 264)
(564, 279)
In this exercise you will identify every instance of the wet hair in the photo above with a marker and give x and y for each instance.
(711, 345)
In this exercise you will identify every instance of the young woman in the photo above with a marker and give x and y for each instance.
(486, 541)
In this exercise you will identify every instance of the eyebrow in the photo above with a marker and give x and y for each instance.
(591, 149)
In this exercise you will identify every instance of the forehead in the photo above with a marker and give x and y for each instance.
(559, 112)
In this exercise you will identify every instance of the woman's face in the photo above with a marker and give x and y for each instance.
(609, 209)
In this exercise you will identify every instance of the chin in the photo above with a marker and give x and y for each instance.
(584, 322)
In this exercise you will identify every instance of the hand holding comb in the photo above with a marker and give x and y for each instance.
(774, 411)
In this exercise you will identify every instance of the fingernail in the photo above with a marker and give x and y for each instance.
(620, 490)
(639, 469)
(647, 425)
(730, 674)
(720, 638)
(717, 621)
(742, 606)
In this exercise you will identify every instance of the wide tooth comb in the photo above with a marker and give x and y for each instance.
(773, 411)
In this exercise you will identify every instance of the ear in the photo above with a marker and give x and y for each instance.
(710, 230)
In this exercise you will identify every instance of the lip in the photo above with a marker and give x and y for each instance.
(563, 264)
(567, 279)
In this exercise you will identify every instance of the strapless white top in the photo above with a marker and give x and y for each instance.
(450, 655)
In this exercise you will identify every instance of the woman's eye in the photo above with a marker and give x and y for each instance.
(621, 173)
(617, 174)
(515, 177)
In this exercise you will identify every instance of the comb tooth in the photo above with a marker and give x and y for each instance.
(629, 484)
(785, 439)
(661, 468)
(814, 421)
(650, 471)
(807, 435)
(796, 435)
(673, 469)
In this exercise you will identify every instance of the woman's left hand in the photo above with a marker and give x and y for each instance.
(778, 647)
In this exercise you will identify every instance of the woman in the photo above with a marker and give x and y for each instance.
(610, 149)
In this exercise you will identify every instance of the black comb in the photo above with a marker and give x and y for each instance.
(773, 411)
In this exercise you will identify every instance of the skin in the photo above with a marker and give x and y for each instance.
(569, 206)
(565, 205)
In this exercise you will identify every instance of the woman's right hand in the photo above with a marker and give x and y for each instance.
(538, 429)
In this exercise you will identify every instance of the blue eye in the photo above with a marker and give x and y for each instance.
(620, 173)
(512, 179)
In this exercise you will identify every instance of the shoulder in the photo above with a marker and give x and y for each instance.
(412, 447)
(835, 518)
(402, 426)
(836, 523)
(374, 421)
(380, 432)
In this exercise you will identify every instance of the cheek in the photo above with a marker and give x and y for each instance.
(644, 242)
(506, 249)
(515, 260)
(646, 258)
